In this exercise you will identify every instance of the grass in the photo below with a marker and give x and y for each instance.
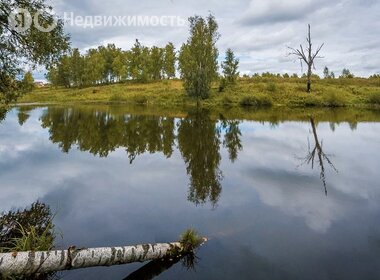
(251, 92)
(190, 240)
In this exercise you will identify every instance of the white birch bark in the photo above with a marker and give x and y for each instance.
(26, 263)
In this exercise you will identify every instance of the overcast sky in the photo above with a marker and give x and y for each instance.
(258, 31)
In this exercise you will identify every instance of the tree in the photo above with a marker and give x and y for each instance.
(27, 82)
(169, 61)
(94, 67)
(230, 67)
(346, 74)
(32, 45)
(332, 75)
(326, 73)
(139, 62)
(198, 57)
(308, 57)
(119, 67)
(156, 63)
(76, 68)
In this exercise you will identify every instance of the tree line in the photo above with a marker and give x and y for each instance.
(109, 64)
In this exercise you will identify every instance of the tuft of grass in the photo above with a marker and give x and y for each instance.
(117, 98)
(31, 240)
(190, 240)
(257, 100)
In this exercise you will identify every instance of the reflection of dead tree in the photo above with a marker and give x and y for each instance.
(318, 150)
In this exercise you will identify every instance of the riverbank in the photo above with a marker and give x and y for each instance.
(253, 92)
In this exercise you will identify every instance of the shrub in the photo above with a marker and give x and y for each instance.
(141, 99)
(272, 87)
(116, 98)
(258, 100)
(375, 98)
(227, 101)
(312, 101)
(332, 99)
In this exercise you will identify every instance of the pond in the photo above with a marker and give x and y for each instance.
(281, 194)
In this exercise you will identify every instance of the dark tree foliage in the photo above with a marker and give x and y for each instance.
(199, 143)
(31, 46)
(198, 138)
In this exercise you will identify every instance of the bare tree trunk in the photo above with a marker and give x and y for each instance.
(27, 263)
(307, 56)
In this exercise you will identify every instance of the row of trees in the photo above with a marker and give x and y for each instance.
(197, 63)
(109, 64)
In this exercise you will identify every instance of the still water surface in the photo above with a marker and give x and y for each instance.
(297, 199)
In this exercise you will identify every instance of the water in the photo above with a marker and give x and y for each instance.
(122, 176)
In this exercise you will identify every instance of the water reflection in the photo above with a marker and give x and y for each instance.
(157, 267)
(310, 159)
(198, 137)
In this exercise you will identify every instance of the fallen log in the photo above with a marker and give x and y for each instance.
(29, 263)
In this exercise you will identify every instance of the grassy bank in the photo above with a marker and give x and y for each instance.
(249, 92)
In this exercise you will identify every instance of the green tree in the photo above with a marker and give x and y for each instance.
(230, 67)
(198, 57)
(76, 68)
(156, 63)
(346, 74)
(169, 61)
(64, 71)
(94, 67)
(139, 62)
(120, 67)
(27, 82)
(326, 72)
(32, 45)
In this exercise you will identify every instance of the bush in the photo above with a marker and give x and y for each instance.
(272, 87)
(141, 99)
(333, 99)
(227, 101)
(258, 100)
(375, 98)
(313, 101)
(117, 98)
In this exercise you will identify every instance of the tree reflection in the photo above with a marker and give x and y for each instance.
(100, 132)
(23, 114)
(3, 113)
(199, 143)
(317, 155)
(198, 137)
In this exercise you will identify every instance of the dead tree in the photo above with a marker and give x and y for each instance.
(307, 57)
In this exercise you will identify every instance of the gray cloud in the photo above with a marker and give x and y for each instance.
(258, 31)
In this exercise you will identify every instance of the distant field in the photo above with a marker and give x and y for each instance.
(248, 92)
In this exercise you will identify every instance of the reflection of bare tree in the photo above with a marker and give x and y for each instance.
(321, 156)
(157, 267)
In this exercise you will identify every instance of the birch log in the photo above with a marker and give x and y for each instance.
(27, 263)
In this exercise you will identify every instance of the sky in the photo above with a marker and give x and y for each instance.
(258, 31)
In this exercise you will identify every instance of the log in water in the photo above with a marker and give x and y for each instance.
(27, 263)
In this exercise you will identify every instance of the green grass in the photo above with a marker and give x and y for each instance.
(252, 92)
